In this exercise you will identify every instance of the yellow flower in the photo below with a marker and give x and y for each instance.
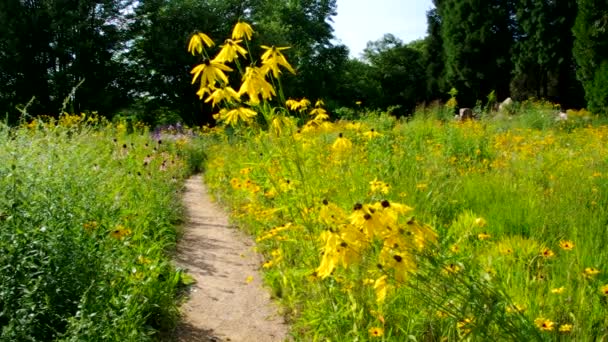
(230, 51)
(604, 290)
(301, 105)
(196, 43)
(319, 103)
(566, 245)
(565, 328)
(219, 94)
(341, 144)
(233, 116)
(380, 287)
(590, 272)
(481, 222)
(376, 332)
(558, 290)
(254, 84)
(422, 186)
(210, 72)
(483, 236)
(242, 29)
(120, 232)
(371, 134)
(268, 264)
(273, 57)
(379, 186)
(465, 325)
(547, 253)
(544, 324)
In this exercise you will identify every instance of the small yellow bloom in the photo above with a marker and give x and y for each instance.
(376, 332)
(544, 324)
(604, 290)
(371, 134)
(319, 103)
(242, 29)
(565, 328)
(230, 51)
(120, 232)
(381, 289)
(483, 236)
(342, 144)
(590, 272)
(465, 325)
(481, 222)
(547, 253)
(566, 245)
(379, 186)
(255, 85)
(558, 290)
(220, 94)
(233, 116)
(249, 279)
(196, 43)
(301, 105)
(268, 264)
(273, 57)
(210, 72)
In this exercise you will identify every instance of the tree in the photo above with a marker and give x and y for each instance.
(49, 46)
(542, 53)
(477, 39)
(434, 56)
(398, 68)
(591, 52)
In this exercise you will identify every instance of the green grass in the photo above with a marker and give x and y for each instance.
(87, 216)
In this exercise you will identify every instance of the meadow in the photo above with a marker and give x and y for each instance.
(88, 216)
(423, 228)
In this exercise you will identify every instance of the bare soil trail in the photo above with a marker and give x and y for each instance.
(228, 301)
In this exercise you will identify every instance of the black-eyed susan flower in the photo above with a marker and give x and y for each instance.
(566, 245)
(483, 236)
(232, 117)
(221, 94)
(242, 29)
(590, 272)
(369, 135)
(210, 72)
(376, 332)
(604, 290)
(341, 144)
(273, 57)
(547, 253)
(565, 328)
(544, 324)
(296, 105)
(381, 289)
(196, 43)
(379, 186)
(230, 51)
(464, 326)
(255, 85)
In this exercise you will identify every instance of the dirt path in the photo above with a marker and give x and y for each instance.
(223, 305)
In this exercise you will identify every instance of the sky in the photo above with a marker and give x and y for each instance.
(360, 21)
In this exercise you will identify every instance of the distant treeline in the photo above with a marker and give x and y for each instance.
(133, 60)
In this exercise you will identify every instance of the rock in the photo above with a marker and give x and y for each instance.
(465, 114)
(506, 105)
(562, 116)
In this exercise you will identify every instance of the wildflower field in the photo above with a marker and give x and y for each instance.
(87, 215)
(420, 228)
(425, 229)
